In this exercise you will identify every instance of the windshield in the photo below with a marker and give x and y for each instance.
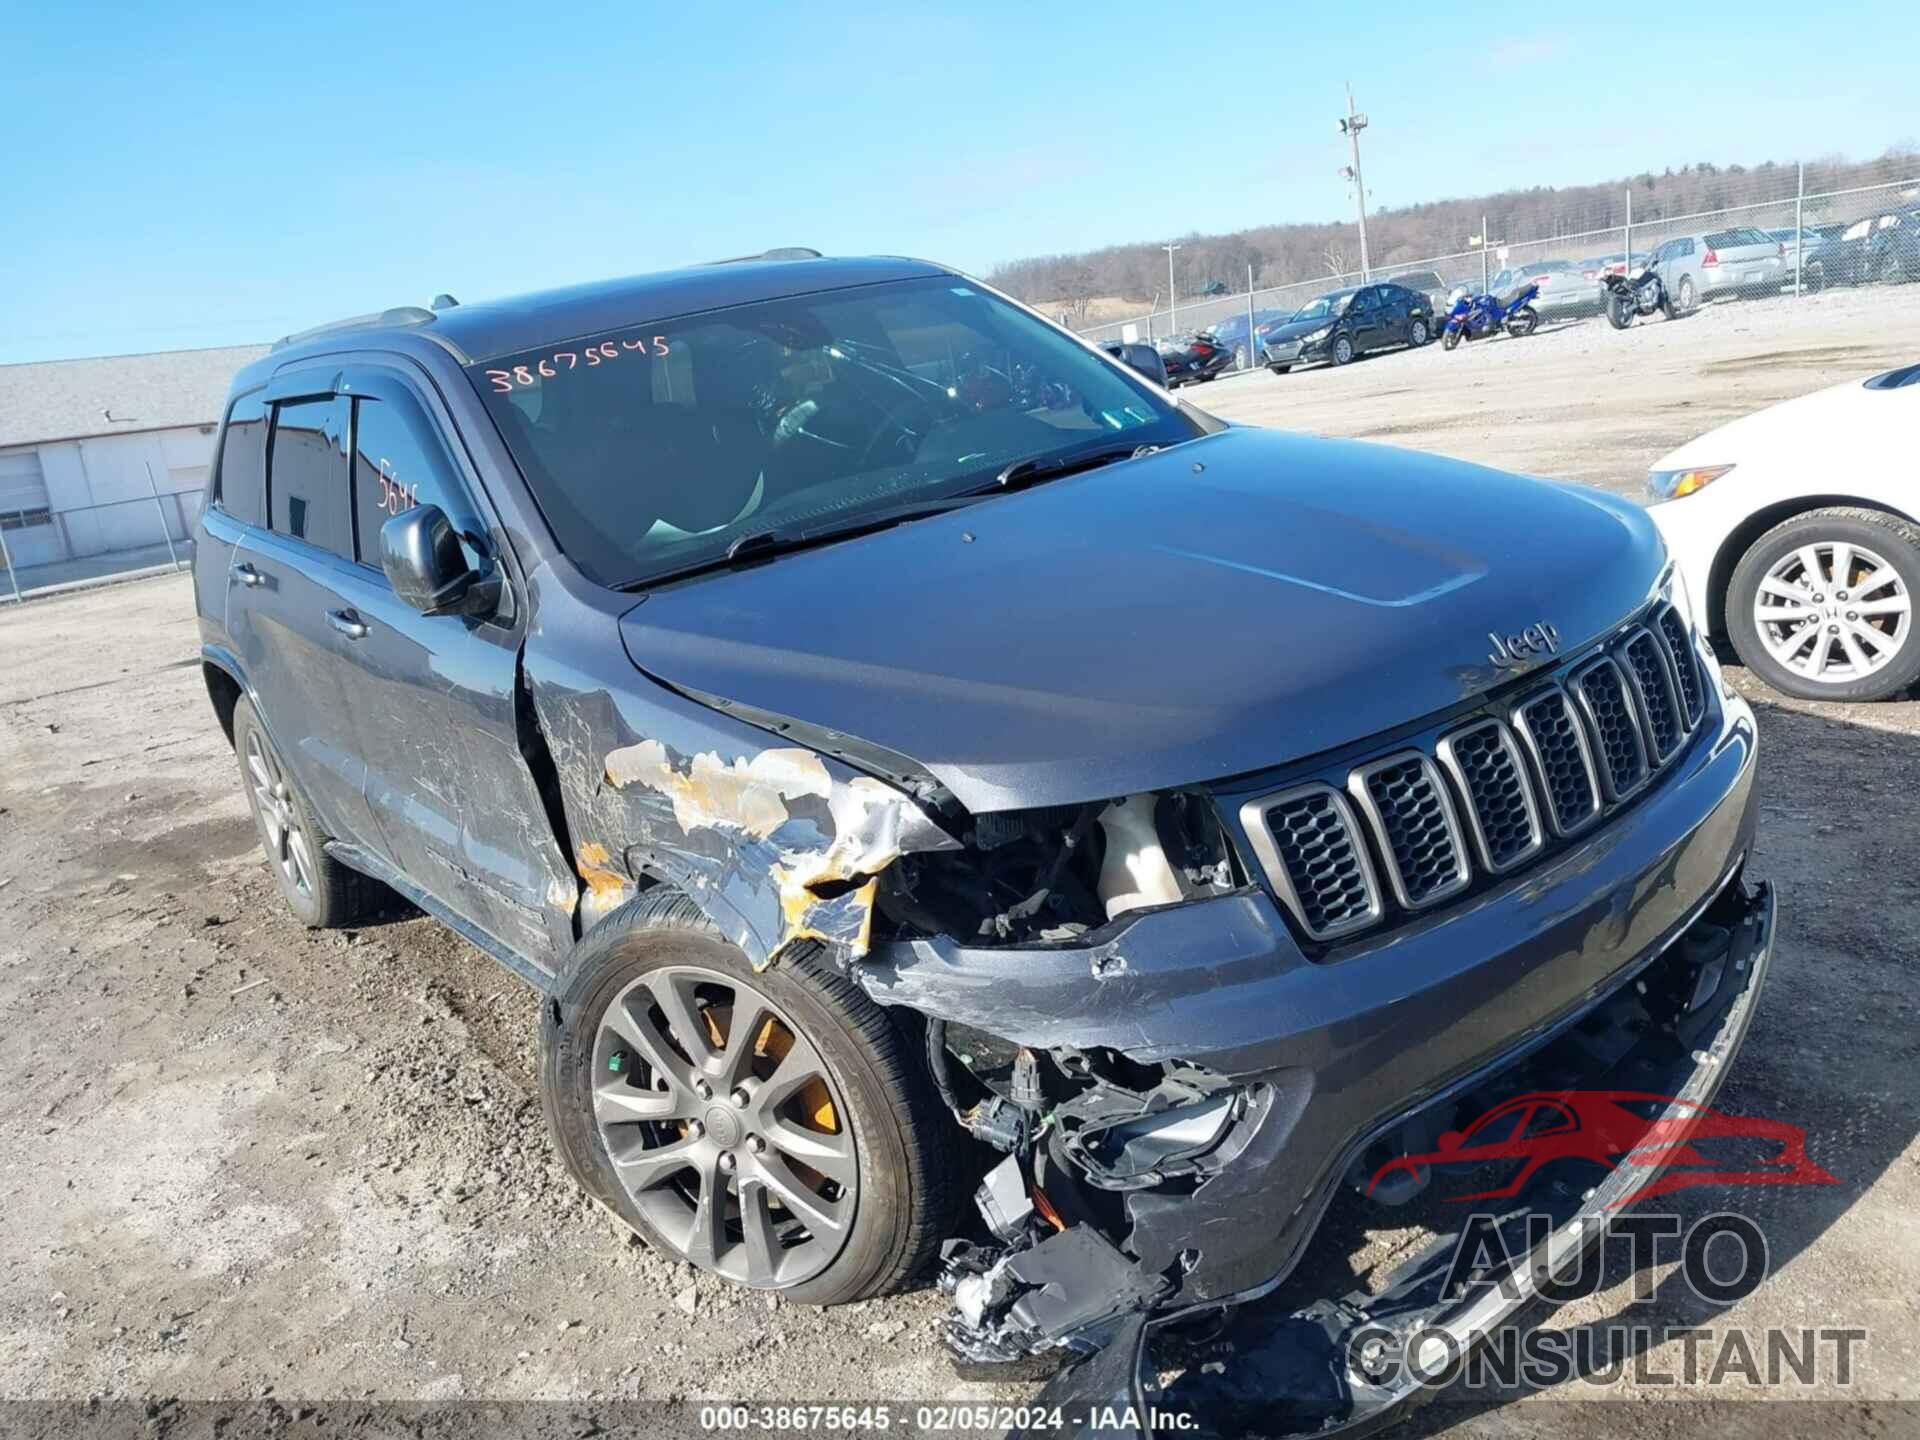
(1325, 307)
(654, 448)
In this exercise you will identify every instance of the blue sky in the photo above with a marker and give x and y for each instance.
(192, 174)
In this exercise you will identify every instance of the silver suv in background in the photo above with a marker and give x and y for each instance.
(1742, 261)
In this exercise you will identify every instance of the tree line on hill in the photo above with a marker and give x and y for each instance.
(1282, 253)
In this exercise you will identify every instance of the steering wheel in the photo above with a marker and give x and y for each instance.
(892, 426)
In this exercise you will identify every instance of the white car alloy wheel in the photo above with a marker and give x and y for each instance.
(1833, 613)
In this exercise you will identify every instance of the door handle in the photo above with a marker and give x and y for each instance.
(348, 623)
(247, 575)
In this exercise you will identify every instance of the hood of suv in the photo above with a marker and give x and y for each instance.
(1216, 608)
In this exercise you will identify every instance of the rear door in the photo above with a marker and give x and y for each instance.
(285, 603)
(453, 796)
(1367, 321)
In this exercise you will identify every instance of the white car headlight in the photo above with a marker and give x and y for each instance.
(1674, 484)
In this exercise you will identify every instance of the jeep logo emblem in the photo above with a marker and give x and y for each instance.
(1512, 650)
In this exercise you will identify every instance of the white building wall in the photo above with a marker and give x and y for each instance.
(99, 492)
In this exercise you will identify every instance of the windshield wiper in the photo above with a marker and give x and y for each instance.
(1052, 467)
(758, 545)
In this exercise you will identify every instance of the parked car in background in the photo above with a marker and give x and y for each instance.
(1233, 332)
(1429, 284)
(1194, 357)
(1883, 247)
(1715, 264)
(1793, 528)
(1345, 323)
(1810, 252)
(1565, 289)
(1616, 263)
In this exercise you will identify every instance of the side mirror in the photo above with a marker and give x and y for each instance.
(421, 555)
(1146, 360)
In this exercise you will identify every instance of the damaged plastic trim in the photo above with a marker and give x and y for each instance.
(826, 890)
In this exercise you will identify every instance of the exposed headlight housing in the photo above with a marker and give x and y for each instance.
(1676, 484)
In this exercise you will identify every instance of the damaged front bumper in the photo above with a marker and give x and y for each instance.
(1265, 1079)
(1288, 1362)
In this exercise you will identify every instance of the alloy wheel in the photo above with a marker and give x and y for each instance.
(279, 819)
(1420, 335)
(1833, 612)
(1342, 350)
(724, 1127)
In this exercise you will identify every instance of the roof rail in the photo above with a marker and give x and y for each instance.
(782, 252)
(399, 316)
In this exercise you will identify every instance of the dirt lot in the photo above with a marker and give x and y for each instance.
(245, 1159)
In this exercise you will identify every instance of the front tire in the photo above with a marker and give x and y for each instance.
(322, 893)
(777, 1128)
(1449, 339)
(1821, 606)
(1342, 350)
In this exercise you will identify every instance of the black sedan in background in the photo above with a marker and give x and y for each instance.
(1346, 323)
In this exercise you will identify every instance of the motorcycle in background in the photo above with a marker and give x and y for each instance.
(1626, 298)
(1473, 317)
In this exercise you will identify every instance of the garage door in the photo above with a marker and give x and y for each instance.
(25, 524)
(22, 486)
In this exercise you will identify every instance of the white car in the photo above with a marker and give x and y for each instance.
(1797, 531)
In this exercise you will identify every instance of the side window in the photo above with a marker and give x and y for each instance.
(399, 462)
(307, 474)
(240, 479)
(1366, 302)
(1686, 246)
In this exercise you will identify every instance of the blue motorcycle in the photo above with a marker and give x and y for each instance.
(1474, 317)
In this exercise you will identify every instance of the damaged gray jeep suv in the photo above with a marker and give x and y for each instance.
(916, 760)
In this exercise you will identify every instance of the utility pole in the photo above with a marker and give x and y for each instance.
(1173, 300)
(1351, 127)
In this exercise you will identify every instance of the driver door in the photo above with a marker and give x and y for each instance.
(434, 696)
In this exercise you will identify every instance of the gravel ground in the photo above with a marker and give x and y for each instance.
(247, 1160)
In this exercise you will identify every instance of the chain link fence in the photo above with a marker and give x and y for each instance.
(1785, 232)
(46, 551)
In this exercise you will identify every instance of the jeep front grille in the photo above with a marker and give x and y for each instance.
(1562, 758)
(1686, 665)
(1619, 747)
(1312, 850)
(1407, 802)
(1485, 797)
(1485, 762)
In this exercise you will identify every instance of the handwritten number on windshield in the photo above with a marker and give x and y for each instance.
(505, 382)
